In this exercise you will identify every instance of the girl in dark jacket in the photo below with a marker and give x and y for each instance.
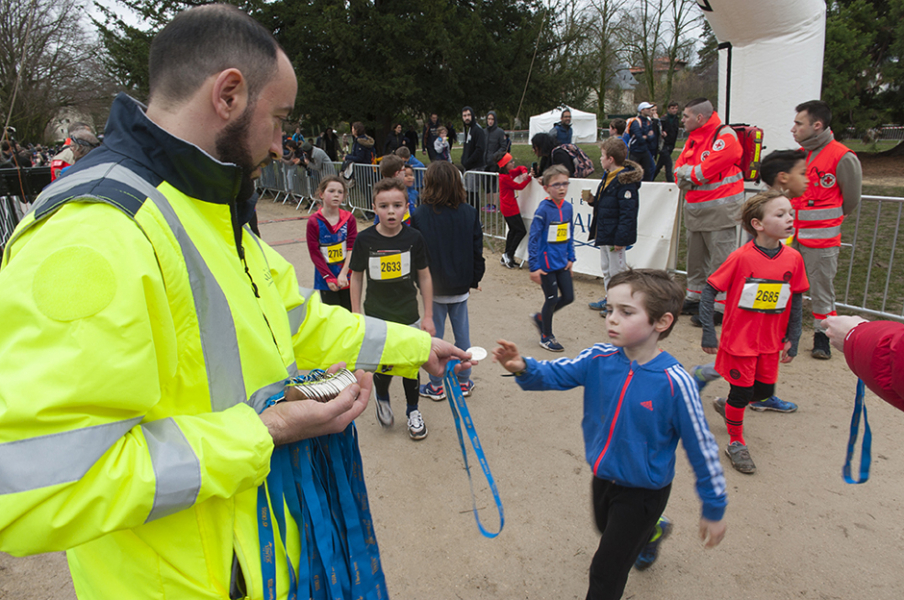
(614, 224)
(547, 150)
(454, 237)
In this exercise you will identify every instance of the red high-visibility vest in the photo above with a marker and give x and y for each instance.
(818, 213)
(716, 177)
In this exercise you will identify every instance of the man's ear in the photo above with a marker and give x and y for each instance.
(664, 322)
(229, 93)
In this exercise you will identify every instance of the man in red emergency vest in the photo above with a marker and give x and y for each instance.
(707, 170)
(833, 191)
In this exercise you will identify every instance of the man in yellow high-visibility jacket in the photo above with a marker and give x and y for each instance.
(145, 327)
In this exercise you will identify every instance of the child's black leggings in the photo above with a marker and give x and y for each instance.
(516, 233)
(625, 517)
(740, 397)
(381, 385)
(553, 283)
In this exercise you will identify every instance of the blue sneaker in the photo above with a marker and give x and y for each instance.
(600, 305)
(549, 342)
(650, 552)
(467, 388)
(773, 403)
(436, 394)
(699, 379)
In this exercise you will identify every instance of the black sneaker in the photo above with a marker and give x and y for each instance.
(822, 349)
(691, 307)
(697, 322)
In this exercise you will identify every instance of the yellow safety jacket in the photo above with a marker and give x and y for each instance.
(137, 348)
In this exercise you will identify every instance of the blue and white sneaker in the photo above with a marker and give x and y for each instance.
(436, 394)
(549, 342)
(650, 552)
(599, 305)
(773, 403)
(467, 388)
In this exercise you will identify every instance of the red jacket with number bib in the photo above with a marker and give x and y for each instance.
(819, 212)
(717, 181)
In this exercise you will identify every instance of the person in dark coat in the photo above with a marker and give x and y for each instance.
(613, 226)
(473, 153)
(430, 134)
(394, 140)
(549, 153)
(495, 138)
(411, 140)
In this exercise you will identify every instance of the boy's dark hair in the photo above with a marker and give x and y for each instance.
(202, 41)
(662, 294)
(818, 111)
(543, 143)
(442, 186)
(388, 184)
(403, 152)
(390, 165)
(409, 168)
(321, 187)
(671, 104)
(615, 149)
(442, 128)
(619, 125)
(780, 161)
(555, 171)
(755, 208)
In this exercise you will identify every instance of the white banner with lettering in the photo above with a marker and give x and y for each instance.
(656, 225)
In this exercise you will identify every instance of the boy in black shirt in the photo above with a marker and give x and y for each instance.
(392, 255)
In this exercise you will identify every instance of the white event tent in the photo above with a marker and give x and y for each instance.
(583, 124)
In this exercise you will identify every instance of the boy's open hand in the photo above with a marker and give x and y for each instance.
(507, 355)
(711, 350)
(711, 532)
(786, 358)
(428, 326)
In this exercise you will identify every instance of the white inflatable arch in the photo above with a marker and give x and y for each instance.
(770, 60)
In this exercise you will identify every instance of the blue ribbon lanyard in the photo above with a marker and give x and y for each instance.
(460, 411)
(859, 407)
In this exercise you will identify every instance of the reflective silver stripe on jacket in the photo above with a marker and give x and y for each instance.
(819, 214)
(177, 470)
(258, 399)
(56, 458)
(372, 346)
(707, 187)
(707, 204)
(819, 233)
(698, 173)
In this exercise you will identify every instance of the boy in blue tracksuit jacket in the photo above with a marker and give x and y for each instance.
(638, 402)
(551, 252)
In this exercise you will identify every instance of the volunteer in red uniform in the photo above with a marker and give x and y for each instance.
(833, 191)
(80, 142)
(764, 281)
(707, 170)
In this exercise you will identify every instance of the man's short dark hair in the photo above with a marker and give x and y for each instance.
(695, 102)
(780, 161)
(662, 294)
(818, 111)
(206, 40)
(671, 104)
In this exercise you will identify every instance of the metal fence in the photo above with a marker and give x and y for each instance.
(11, 212)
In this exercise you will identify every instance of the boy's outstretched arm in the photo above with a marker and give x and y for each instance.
(508, 357)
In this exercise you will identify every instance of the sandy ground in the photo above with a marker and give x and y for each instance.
(795, 529)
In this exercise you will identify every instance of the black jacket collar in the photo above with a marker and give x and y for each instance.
(181, 164)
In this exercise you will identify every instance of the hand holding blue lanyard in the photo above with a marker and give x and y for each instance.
(859, 407)
(460, 411)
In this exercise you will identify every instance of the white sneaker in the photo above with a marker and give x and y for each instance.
(384, 412)
(416, 428)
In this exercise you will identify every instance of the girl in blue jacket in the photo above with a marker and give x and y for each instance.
(551, 251)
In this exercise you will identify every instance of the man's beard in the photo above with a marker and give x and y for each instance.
(232, 147)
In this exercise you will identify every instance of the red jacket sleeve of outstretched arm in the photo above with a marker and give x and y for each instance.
(875, 353)
(312, 237)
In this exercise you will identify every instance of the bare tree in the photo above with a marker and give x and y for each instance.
(604, 22)
(659, 29)
(54, 65)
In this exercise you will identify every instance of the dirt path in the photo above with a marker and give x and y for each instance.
(795, 529)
